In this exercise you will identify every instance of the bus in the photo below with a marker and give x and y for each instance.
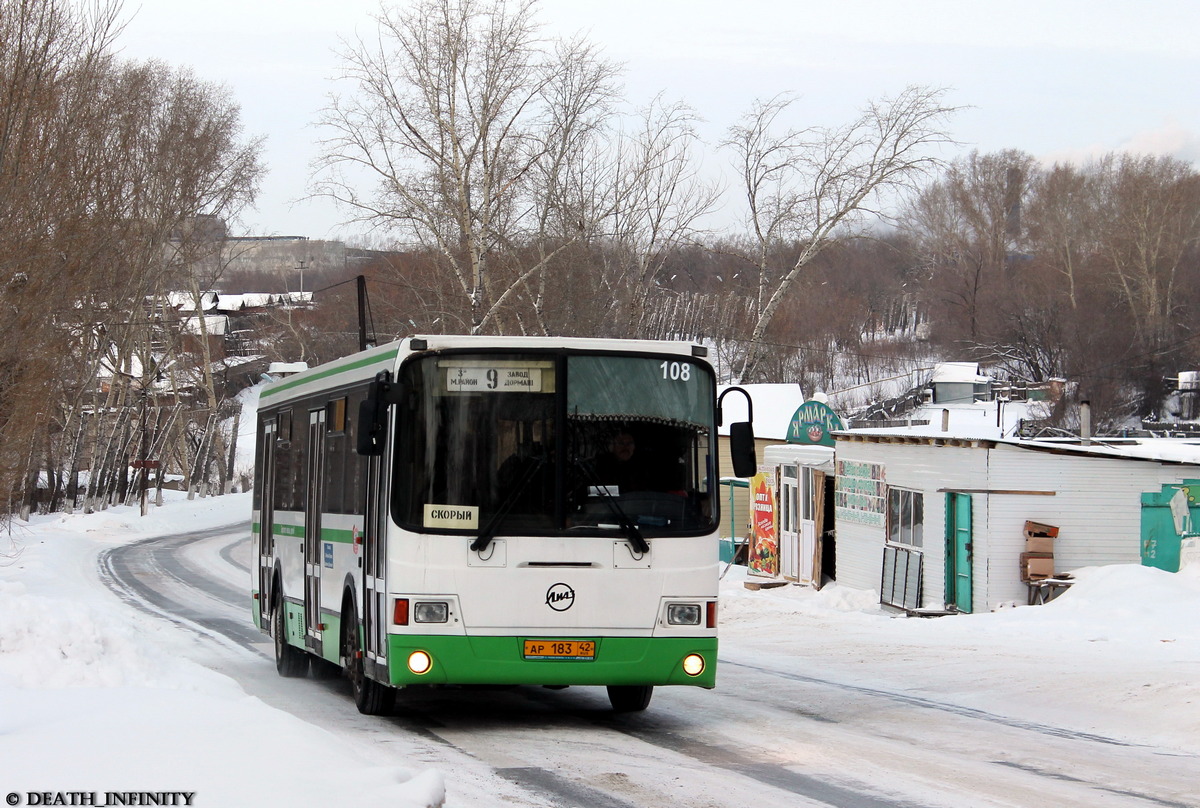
(463, 510)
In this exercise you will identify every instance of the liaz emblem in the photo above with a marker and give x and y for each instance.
(560, 597)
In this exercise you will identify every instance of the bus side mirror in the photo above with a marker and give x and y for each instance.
(741, 437)
(741, 449)
(373, 415)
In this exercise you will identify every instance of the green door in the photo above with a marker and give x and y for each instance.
(958, 551)
(1164, 526)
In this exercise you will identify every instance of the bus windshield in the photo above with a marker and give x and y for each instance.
(555, 444)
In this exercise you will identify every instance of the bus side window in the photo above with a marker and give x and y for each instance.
(336, 444)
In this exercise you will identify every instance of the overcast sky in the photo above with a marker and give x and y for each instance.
(1060, 79)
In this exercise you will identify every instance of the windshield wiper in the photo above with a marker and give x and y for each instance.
(489, 531)
(635, 536)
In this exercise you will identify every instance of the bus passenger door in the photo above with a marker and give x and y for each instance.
(375, 610)
(312, 528)
(266, 522)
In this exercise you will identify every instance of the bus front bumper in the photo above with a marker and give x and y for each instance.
(502, 661)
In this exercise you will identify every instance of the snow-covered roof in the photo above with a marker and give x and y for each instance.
(215, 325)
(1163, 450)
(983, 420)
(278, 369)
(250, 300)
(803, 453)
(186, 301)
(978, 422)
(960, 372)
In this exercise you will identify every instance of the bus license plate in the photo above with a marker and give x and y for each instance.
(560, 649)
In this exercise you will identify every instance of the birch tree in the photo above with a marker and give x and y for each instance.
(102, 163)
(457, 113)
(658, 199)
(813, 186)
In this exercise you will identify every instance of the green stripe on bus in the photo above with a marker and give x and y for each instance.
(361, 363)
(331, 534)
(337, 535)
(499, 661)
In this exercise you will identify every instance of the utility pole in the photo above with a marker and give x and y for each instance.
(143, 476)
(361, 283)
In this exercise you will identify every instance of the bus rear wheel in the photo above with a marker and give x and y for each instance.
(630, 698)
(370, 697)
(290, 661)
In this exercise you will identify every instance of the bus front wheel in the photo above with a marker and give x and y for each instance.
(370, 697)
(630, 698)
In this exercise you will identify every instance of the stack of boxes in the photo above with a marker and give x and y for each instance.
(1037, 562)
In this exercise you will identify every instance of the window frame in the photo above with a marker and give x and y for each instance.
(908, 508)
(405, 439)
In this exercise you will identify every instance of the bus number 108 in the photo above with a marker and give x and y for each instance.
(676, 371)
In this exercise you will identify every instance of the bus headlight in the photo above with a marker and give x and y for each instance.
(431, 612)
(420, 662)
(693, 664)
(683, 614)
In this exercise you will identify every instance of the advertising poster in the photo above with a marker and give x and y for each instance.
(764, 545)
(860, 493)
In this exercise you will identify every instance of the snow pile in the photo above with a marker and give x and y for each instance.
(97, 696)
(56, 643)
(1117, 653)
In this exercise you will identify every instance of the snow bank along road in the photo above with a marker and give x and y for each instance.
(772, 734)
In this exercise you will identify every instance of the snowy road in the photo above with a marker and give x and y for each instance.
(778, 731)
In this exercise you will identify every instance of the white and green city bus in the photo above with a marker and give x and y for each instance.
(441, 511)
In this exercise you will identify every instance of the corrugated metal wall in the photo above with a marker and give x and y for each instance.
(919, 467)
(1094, 501)
(1097, 508)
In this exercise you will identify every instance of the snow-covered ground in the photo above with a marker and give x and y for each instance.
(96, 696)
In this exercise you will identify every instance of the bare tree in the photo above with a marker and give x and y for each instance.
(816, 185)
(1149, 213)
(1061, 224)
(966, 227)
(657, 199)
(51, 67)
(458, 115)
(102, 163)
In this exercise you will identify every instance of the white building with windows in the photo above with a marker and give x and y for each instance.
(933, 522)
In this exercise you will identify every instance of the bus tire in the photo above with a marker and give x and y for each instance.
(630, 698)
(370, 697)
(290, 661)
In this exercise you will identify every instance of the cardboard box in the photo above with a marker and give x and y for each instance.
(1039, 529)
(1037, 567)
(1039, 544)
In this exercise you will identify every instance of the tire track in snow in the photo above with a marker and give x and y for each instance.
(933, 704)
(136, 572)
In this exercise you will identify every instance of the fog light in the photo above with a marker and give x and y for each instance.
(420, 662)
(683, 614)
(693, 664)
